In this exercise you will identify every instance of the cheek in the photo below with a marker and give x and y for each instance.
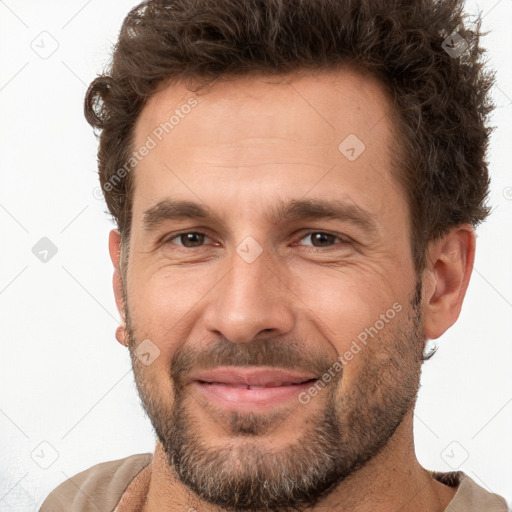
(345, 302)
(161, 298)
(162, 303)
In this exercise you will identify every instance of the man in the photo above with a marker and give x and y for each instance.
(296, 186)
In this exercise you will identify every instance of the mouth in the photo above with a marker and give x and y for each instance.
(253, 389)
(266, 386)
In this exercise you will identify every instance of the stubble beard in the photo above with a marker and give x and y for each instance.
(353, 426)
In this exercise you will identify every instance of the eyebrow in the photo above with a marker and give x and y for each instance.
(296, 209)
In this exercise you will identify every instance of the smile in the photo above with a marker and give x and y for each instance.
(256, 389)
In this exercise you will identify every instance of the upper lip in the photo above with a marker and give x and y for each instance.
(251, 376)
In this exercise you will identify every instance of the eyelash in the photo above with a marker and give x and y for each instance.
(343, 239)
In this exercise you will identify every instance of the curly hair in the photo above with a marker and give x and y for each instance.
(440, 100)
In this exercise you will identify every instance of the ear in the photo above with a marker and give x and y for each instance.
(446, 279)
(114, 247)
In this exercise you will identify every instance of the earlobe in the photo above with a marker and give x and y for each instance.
(121, 335)
(447, 278)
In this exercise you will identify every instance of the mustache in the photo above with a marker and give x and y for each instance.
(287, 355)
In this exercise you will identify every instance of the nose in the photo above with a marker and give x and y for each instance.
(251, 300)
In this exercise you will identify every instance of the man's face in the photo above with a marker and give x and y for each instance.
(265, 283)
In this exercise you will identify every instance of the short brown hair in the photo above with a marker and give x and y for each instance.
(440, 100)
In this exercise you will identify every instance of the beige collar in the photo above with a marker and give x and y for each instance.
(134, 497)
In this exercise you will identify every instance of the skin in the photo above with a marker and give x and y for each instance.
(250, 143)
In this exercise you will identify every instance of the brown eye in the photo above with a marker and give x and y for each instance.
(320, 239)
(189, 239)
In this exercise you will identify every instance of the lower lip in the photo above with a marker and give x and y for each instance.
(243, 399)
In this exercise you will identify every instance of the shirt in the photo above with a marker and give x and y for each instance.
(101, 488)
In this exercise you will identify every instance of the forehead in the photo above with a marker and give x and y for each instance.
(259, 105)
(261, 133)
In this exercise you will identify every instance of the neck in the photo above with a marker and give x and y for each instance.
(392, 480)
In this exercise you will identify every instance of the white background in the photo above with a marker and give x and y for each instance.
(65, 381)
